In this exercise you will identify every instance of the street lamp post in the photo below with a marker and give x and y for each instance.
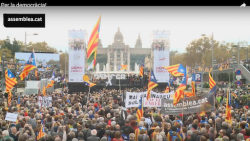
(233, 63)
(3, 72)
(238, 51)
(26, 38)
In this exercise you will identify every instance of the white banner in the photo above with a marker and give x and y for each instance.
(160, 44)
(133, 98)
(45, 101)
(11, 117)
(77, 46)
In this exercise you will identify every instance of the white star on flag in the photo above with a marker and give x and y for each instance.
(152, 76)
(181, 70)
(30, 60)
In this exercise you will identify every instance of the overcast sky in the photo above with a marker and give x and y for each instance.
(184, 23)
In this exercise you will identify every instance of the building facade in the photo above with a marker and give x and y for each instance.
(119, 53)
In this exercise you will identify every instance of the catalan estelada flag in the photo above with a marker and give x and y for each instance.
(92, 45)
(122, 67)
(139, 113)
(193, 83)
(30, 65)
(211, 80)
(9, 98)
(228, 107)
(167, 88)
(44, 90)
(10, 80)
(141, 69)
(234, 95)
(179, 93)
(176, 70)
(41, 133)
(152, 83)
(90, 84)
(50, 84)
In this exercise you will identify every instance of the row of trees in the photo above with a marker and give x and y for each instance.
(9, 48)
(201, 49)
(196, 51)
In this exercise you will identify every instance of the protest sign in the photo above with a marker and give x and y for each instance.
(11, 117)
(45, 101)
(194, 104)
(132, 99)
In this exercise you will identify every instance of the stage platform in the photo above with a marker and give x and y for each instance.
(81, 87)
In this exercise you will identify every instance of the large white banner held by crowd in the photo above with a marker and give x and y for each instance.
(132, 99)
(77, 46)
(160, 44)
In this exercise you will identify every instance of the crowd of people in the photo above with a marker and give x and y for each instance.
(102, 117)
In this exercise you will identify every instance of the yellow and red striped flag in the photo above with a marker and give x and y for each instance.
(179, 93)
(167, 89)
(211, 81)
(30, 65)
(122, 67)
(141, 69)
(193, 83)
(234, 95)
(41, 133)
(152, 83)
(10, 80)
(228, 107)
(50, 84)
(44, 90)
(92, 45)
(139, 112)
(175, 70)
(189, 94)
(9, 98)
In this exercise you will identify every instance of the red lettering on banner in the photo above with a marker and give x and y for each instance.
(161, 70)
(76, 69)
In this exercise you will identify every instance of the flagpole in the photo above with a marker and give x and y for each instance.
(215, 114)
(87, 99)
(184, 94)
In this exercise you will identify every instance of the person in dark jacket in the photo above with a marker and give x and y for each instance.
(13, 133)
(127, 126)
(93, 136)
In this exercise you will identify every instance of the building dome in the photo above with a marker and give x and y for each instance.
(118, 36)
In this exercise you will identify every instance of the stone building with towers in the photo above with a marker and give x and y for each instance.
(119, 53)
